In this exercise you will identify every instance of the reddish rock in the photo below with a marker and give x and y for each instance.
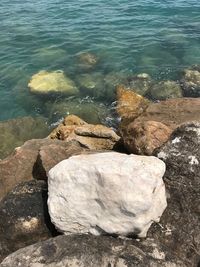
(33, 160)
(143, 137)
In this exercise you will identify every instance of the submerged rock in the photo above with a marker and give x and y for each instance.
(33, 160)
(179, 226)
(88, 109)
(92, 251)
(45, 82)
(191, 82)
(87, 60)
(140, 83)
(15, 132)
(165, 89)
(94, 137)
(144, 137)
(92, 84)
(24, 217)
(109, 193)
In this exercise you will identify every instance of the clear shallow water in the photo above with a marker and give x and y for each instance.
(160, 37)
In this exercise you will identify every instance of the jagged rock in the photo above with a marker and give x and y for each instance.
(191, 82)
(164, 90)
(107, 192)
(94, 137)
(24, 217)
(129, 104)
(143, 137)
(45, 82)
(33, 160)
(179, 227)
(15, 132)
(91, 251)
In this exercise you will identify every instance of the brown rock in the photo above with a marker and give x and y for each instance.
(94, 137)
(129, 104)
(33, 160)
(143, 137)
(172, 112)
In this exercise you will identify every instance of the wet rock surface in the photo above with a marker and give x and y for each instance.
(91, 251)
(15, 132)
(191, 82)
(179, 227)
(24, 217)
(45, 82)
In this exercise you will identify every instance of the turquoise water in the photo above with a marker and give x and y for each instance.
(160, 37)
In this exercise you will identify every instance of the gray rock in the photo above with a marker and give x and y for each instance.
(91, 251)
(179, 226)
(191, 82)
(24, 217)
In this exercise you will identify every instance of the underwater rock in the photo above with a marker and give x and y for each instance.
(144, 137)
(139, 83)
(92, 84)
(165, 89)
(24, 218)
(87, 60)
(93, 137)
(129, 104)
(93, 251)
(106, 193)
(191, 82)
(88, 109)
(45, 82)
(15, 132)
(47, 55)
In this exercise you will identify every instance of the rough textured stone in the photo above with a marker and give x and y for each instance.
(87, 60)
(106, 193)
(15, 132)
(45, 82)
(179, 227)
(91, 251)
(172, 112)
(191, 82)
(164, 90)
(140, 83)
(129, 104)
(143, 137)
(33, 160)
(94, 137)
(24, 217)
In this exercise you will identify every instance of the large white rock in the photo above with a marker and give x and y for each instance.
(106, 192)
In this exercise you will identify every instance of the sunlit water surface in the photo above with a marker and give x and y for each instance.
(159, 37)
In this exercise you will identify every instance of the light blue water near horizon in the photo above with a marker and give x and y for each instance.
(159, 37)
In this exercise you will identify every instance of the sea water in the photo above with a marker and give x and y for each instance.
(158, 37)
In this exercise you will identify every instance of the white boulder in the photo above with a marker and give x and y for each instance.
(106, 192)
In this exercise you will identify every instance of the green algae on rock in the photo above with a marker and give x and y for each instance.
(45, 82)
(165, 89)
(191, 81)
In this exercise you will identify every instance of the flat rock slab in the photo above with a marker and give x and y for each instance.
(91, 251)
(108, 192)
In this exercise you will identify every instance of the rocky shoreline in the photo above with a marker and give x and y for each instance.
(86, 195)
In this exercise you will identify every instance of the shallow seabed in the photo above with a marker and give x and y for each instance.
(159, 37)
